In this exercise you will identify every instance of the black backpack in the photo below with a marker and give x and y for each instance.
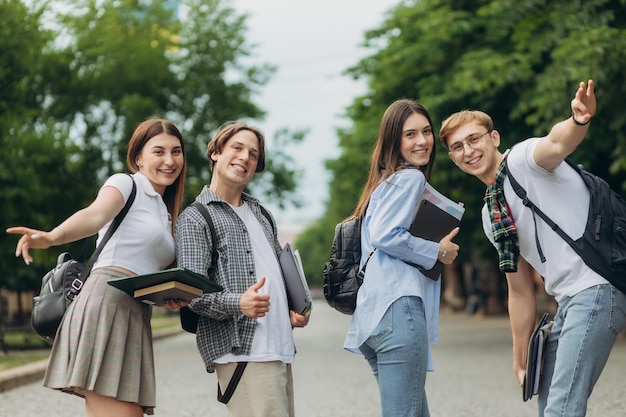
(603, 244)
(342, 275)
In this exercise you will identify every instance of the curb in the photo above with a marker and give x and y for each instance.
(32, 372)
(22, 375)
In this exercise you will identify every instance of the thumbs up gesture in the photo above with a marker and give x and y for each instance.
(252, 304)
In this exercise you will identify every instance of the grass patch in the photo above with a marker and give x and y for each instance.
(164, 320)
(24, 340)
(15, 359)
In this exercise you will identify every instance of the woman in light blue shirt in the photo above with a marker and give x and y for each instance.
(397, 312)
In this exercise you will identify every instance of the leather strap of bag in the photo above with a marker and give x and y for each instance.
(232, 385)
(114, 225)
(84, 251)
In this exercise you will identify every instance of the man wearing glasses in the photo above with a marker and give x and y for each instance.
(591, 312)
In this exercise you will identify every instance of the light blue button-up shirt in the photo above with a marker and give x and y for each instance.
(385, 227)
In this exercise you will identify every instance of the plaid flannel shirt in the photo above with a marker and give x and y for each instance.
(222, 328)
(502, 224)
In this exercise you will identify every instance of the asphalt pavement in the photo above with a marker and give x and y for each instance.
(472, 378)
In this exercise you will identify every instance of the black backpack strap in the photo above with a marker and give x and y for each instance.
(521, 193)
(234, 381)
(114, 225)
(205, 213)
(268, 216)
(83, 253)
(359, 222)
(189, 319)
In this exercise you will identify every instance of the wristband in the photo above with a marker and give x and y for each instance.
(577, 123)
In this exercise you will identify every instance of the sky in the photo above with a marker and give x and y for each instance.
(312, 42)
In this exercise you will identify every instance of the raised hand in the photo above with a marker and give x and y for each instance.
(584, 102)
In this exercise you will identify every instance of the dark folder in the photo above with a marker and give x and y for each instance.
(534, 361)
(432, 223)
(133, 283)
(298, 293)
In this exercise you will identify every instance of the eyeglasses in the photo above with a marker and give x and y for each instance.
(472, 141)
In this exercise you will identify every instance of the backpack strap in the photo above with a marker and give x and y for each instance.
(189, 319)
(112, 228)
(521, 193)
(205, 213)
(268, 216)
(232, 385)
(361, 271)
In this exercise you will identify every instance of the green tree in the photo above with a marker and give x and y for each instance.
(75, 82)
(38, 165)
(116, 72)
(135, 59)
(518, 61)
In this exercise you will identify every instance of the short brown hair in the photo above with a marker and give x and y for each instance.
(226, 132)
(458, 119)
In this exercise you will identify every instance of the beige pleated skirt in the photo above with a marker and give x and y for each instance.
(104, 345)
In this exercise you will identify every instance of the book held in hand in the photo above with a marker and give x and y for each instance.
(436, 216)
(172, 290)
(298, 294)
(175, 283)
(534, 361)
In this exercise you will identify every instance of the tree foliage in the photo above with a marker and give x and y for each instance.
(78, 77)
(518, 61)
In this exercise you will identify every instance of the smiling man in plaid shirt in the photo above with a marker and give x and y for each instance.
(245, 331)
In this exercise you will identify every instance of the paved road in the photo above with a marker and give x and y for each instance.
(472, 377)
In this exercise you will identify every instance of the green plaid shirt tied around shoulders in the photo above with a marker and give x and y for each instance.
(502, 224)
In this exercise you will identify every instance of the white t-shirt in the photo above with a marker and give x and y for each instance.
(563, 196)
(273, 335)
(143, 243)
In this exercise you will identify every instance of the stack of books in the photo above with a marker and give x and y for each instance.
(170, 284)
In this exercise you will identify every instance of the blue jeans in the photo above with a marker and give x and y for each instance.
(397, 352)
(584, 330)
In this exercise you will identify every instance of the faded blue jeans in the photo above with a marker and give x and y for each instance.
(584, 330)
(397, 352)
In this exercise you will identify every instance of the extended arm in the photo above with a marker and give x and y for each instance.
(83, 223)
(522, 314)
(565, 136)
